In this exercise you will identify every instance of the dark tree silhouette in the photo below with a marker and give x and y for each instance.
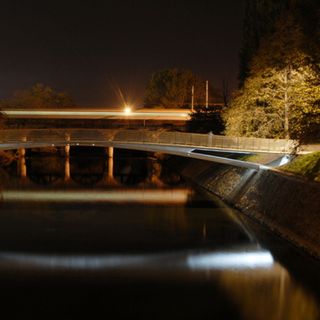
(36, 97)
(172, 88)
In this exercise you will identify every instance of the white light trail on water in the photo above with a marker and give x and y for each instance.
(233, 260)
(185, 260)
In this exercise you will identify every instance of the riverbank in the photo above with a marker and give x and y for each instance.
(286, 204)
(307, 166)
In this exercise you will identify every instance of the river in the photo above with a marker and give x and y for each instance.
(127, 237)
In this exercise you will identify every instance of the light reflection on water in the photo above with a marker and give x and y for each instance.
(231, 260)
(145, 196)
(146, 233)
(183, 261)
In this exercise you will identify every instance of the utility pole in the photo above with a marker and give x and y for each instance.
(192, 98)
(207, 94)
(286, 104)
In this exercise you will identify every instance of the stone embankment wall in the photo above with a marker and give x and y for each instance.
(288, 205)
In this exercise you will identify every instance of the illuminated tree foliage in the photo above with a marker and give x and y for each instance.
(37, 97)
(281, 95)
(171, 88)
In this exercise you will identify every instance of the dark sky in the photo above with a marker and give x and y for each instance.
(89, 48)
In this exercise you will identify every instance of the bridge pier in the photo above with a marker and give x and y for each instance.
(67, 147)
(67, 163)
(67, 168)
(110, 152)
(67, 150)
(67, 174)
(109, 164)
(22, 166)
(110, 168)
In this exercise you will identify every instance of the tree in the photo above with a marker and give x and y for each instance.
(280, 97)
(171, 88)
(2, 120)
(36, 97)
(259, 20)
(205, 120)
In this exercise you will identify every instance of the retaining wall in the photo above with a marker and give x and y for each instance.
(288, 205)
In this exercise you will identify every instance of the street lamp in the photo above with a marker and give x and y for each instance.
(127, 110)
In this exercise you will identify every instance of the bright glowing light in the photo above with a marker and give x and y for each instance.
(284, 160)
(127, 110)
(232, 260)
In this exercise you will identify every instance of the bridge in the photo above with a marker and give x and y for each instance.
(199, 146)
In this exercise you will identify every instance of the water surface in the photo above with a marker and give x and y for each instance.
(128, 237)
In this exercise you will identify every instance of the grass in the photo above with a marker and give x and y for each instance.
(259, 158)
(305, 165)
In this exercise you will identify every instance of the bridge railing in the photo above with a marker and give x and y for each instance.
(61, 136)
(206, 140)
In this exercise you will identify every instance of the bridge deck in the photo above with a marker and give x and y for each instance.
(158, 137)
(176, 143)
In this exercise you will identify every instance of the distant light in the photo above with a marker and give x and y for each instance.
(285, 160)
(127, 110)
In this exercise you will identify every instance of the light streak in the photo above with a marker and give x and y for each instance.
(172, 196)
(157, 114)
(233, 260)
(183, 260)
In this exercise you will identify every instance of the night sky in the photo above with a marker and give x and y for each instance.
(91, 48)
